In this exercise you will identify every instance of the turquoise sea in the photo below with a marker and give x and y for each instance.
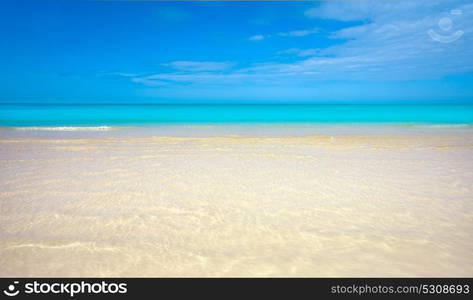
(30, 115)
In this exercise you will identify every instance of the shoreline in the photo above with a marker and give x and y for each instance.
(240, 129)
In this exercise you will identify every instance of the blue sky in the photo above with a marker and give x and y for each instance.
(205, 52)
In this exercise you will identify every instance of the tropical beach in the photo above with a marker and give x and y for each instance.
(236, 139)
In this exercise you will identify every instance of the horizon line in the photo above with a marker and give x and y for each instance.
(238, 103)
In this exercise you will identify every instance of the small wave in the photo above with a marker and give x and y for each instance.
(67, 128)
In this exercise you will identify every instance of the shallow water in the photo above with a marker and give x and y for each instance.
(315, 205)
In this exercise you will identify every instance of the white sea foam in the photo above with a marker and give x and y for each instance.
(66, 128)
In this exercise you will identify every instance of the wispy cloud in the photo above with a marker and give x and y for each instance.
(257, 37)
(293, 33)
(115, 73)
(182, 72)
(198, 66)
(300, 52)
(297, 33)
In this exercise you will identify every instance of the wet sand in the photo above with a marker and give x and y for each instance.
(316, 205)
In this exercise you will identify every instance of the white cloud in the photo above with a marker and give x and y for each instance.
(257, 37)
(298, 33)
(294, 33)
(369, 10)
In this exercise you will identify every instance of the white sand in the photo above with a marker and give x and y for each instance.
(346, 205)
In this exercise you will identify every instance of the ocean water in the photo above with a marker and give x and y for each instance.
(99, 116)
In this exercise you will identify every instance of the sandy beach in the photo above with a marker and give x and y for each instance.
(237, 205)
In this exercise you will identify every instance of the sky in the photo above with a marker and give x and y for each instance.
(371, 51)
